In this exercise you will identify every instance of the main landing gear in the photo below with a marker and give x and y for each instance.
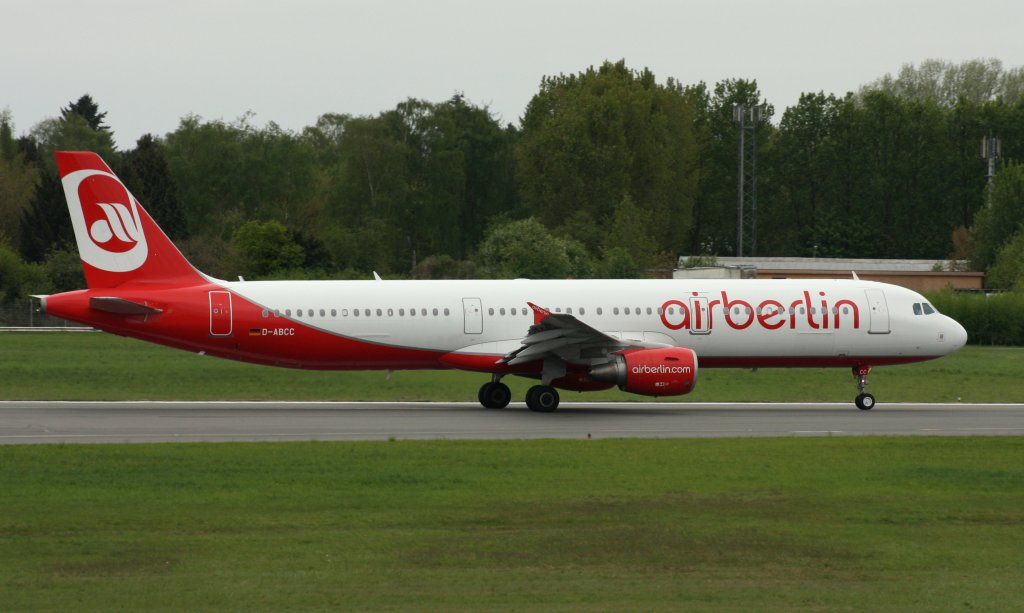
(496, 395)
(542, 398)
(864, 400)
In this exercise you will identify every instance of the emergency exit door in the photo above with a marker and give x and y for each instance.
(878, 311)
(220, 313)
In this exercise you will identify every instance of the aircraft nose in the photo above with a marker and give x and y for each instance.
(957, 335)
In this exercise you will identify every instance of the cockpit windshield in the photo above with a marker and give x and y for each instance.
(923, 308)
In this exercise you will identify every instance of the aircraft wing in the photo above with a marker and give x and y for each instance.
(564, 336)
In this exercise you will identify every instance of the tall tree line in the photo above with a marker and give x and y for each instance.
(609, 172)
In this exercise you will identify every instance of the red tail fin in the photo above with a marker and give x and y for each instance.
(117, 240)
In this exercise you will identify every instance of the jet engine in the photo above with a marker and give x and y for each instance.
(671, 371)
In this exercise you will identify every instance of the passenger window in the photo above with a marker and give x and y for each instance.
(435, 312)
(379, 312)
(287, 312)
(322, 313)
(490, 311)
(266, 313)
(917, 308)
(309, 312)
(412, 312)
(600, 311)
(649, 311)
(277, 312)
(355, 312)
(344, 312)
(423, 312)
(501, 311)
(366, 312)
(582, 311)
(391, 312)
(446, 312)
(401, 312)
(334, 312)
(627, 311)
(928, 310)
(615, 310)
(298, 312)
(569, 310)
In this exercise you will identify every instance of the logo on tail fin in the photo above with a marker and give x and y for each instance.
(106, 221)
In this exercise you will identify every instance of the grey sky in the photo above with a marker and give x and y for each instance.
(150, 63)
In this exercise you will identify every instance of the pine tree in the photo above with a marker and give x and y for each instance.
(88, 110)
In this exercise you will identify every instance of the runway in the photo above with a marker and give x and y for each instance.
(24, 422)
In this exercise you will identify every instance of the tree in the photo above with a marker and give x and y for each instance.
(45, 224)
(523, 248)
(629, 232)
(995, 224)
(263, 248)
(72, 133)
(88, 110)
(19, 279)
(225, 173)
(18, 180)
(590, 138)
(804, 179)
(147, 175)
(434, 174)
(7, 145)
(1007, 271)
(945, 83)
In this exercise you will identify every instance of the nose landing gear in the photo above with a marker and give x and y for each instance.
(864, 400)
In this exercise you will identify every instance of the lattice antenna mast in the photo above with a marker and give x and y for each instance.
(747, 118)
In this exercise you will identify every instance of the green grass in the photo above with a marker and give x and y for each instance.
(749, 524)
(94, 366)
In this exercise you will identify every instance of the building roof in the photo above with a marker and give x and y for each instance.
(831, 264)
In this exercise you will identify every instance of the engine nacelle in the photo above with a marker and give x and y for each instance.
(671, 371)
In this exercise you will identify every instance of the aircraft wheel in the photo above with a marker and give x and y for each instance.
(542, 398)
(494, 395)
(865, 402)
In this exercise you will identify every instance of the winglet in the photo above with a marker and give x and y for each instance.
(539, 313)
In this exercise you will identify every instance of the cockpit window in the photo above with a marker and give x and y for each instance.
(928, 310)
(917, 308)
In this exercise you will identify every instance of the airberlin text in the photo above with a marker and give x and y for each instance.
(661, 369)
(698, 313)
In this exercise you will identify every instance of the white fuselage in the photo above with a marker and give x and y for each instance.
(726, 322)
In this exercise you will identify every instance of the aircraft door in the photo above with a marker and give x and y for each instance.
(700, 315)
(473, 310)
(878, 310)
(220, 313)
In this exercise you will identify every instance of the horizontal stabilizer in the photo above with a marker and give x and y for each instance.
(120, 306)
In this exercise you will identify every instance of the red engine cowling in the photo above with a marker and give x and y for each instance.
(671, 371)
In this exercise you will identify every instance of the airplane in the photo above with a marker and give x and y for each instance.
(648, 337)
